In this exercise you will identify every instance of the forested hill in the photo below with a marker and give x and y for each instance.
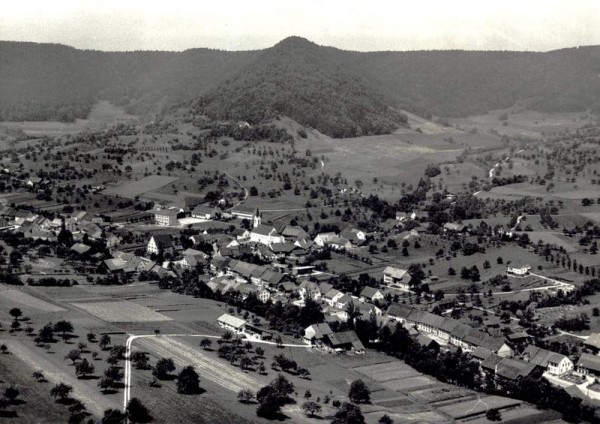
(339, 92)
(301, 80)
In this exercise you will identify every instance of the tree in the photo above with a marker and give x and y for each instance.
(84, 368)
(493, 415)
(39, 376)
(206, 343)
(106, 383)
(104, 342)
(74, 355)
(137, 411)
(114, 416)
(245, 396)
(163, 368)
(188, 381)
(140, 360)
(303, 373)
(311, 408)
(11, 393)
(259, 352)
(61, 391)
(3, 348)
(115, 374)
(385, 420)
(46, 333)
(359, 392)
(15, 313)
(348, 414)
(63, 327)
(272, 397)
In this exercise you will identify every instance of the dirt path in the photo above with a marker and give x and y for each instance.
(84, 390)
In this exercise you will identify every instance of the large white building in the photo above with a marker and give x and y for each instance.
(397, 278)
(265, 234)
(166, 217)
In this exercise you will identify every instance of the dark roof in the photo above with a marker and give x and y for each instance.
(345, 338)
(265, 230)
(591, 362)
(399, 310)
(163, 240)
(369, 292)
(513, 369)
(538, 356)
(320, 330)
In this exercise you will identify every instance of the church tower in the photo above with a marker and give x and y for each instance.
(256, 218)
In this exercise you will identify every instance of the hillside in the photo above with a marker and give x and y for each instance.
(340, 92)
(298, 79)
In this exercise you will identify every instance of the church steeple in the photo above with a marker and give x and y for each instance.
(256, 218)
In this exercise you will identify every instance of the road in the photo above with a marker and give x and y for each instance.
(131, 338)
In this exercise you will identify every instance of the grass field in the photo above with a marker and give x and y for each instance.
(15, 297)
(132, 189)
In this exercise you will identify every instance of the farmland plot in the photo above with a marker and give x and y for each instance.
(135, 188)
(12, 296)
(122, 311)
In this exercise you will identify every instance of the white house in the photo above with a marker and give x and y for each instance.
(520, 271)
(554, 363)
(371, 294)
(158, 243)
(332, 296)
(396, 277)
(232, 323)
(324, 238)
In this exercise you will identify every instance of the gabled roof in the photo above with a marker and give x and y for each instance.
(542, 357)
(231, 320)
(320, 330)
(293, 231)
(593, 341)
(369, 292)
(332, 293)
(399, 310)
(591, 362)
(513, 369)
(345, 338)
(162, 240)
(265, 230)
(167, 212)
(80, 248)
(394, 272)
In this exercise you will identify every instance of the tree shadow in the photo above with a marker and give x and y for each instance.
(8, 414)
(198, 391)
(88, 377)
(66, 401)
(109, 391)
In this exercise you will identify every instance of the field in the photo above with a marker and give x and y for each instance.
(136, 188)
(14, 296)
(121, 311)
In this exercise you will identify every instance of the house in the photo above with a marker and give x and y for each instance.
(294, 233)
(399, 312)
(309, 290)
(452, 227)
(265, 234)
(427, 342)
(113, 240)
(508, 369)
(253, 215)
(344, 341)
(339, 243)
(367, 309)
(371, 294)
(593, 343)
(322, 239)
(519, 271)
(404, 216)
(166, 217)
(396, 277)
(231, 323)
(589, 364)
(315, 333)
(342, 302)
(554, 363)
(204, 211)
(332, 296)
(355, 236)
(160, 243)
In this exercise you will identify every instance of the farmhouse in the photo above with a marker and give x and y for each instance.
(589, 365)
(332, 296)
(508, 369)
(519, 271)
(231, 323)
(160, 243)
(396, 277)
(322, 239)
(345, 340)
(203, 212)
(370, 294)
(554, 363)
(315, 333)
(453, 227)
(166, 217)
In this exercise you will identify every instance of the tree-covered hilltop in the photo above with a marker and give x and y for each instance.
(298, 79)
(340, 92)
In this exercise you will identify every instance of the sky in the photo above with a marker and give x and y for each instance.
(366, 25)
